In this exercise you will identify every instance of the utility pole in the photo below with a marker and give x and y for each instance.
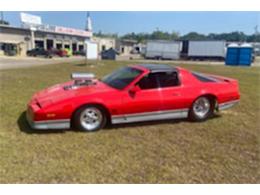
(256, 32)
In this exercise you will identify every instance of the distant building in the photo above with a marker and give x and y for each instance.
(125, 46)
(104, 43)
(256, 48)
(47, 38)
(34, 34)
(139, 48)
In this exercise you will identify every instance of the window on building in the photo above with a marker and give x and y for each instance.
(49, 43)
(81, 47)
(58, 45)
(74, 46)
(39, 44)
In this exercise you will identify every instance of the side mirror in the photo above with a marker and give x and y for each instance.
(135, 89)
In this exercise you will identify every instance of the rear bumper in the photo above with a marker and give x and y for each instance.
(227, 105)
(48, 124)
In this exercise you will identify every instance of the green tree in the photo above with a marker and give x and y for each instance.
(101, 34)
(193, 36)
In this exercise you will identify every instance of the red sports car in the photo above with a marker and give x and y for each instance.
(144, 92)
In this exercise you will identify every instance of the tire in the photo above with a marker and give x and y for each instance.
(201, 109)
(90, 118)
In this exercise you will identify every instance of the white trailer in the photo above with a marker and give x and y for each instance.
(161, 49)
(207, 50)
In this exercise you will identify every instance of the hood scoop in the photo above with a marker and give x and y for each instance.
(81, 80)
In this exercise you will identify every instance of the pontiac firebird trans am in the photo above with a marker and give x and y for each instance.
(134, 93)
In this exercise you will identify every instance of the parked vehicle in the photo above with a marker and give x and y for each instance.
(131, 94)
(62, 53)
(40, 52)
(9, 49)
(110, 54)
(161, 49)
(79, 53)
(205, 50)
(68, 51)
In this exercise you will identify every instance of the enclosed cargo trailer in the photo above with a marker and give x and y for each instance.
(207, 50)
(161, 49)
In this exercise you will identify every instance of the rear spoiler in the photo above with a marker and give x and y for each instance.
(222, 78)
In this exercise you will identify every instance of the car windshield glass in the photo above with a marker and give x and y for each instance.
(122, 77)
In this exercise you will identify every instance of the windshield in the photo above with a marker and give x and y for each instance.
(122, 77)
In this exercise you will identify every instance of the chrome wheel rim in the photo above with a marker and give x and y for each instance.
(91, 118)
(201, 107)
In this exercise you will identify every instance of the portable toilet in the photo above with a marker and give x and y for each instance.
(232, 54)
(239, 55)
(245, 54)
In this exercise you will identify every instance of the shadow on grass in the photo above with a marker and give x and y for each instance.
(24, 126)
(87, 64)
(82, 64)
(143, 124)
(155, 123)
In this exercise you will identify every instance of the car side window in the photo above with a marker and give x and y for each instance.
(149, 82)
(159, 80)
(168, 79)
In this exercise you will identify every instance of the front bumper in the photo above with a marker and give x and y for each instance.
(47, 124)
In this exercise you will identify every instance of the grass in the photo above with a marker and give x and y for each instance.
(224, 149)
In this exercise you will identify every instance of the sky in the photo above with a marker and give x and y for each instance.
(127, 22)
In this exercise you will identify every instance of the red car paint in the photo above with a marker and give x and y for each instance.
(55, 103)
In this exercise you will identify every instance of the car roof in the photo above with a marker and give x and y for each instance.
(158, 67)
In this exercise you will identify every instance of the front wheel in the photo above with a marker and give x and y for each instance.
(202, 108)
(90, 118)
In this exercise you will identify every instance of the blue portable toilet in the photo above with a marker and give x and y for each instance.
(245, 55)
(232, 54)
(239, 55)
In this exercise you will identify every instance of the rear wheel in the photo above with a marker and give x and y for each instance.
(202, 108)
(90, 118)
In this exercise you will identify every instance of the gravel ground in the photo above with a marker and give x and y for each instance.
(25, 62)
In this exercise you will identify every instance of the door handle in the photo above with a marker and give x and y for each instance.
(176, 94)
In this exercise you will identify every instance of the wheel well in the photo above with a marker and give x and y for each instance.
(213, 101)
(212, 98)
(107, 113)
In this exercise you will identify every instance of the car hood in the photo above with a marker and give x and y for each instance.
(58, 93)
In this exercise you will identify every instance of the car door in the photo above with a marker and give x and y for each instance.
(159, 97)
(146, 99)
(171, 90)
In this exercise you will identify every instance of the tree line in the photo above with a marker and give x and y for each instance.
(236, 36)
